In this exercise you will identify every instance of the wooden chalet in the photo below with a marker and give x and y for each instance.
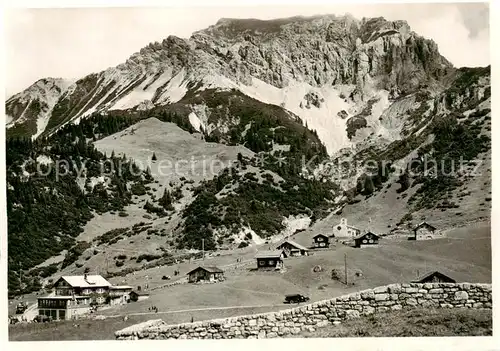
(291, 248)
(321, 241)
(270, 259)
(208, 274)
(423, 231)
(366, 239)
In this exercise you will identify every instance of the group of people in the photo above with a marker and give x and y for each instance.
(153, 308)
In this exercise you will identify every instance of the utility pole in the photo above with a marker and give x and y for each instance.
(203, 248)
(345, 267)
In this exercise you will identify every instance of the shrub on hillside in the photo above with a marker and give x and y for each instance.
(242, 244)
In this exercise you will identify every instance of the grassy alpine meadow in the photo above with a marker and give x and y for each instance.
(90, 329)
(416, 322)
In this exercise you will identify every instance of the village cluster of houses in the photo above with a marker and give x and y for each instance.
(274, 258)
(77, 295)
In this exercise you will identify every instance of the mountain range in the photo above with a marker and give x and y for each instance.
(364, 101)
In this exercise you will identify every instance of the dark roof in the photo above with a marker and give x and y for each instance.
(208, 269)
(430, 274)
(317, 235)
(294, 244)
(139, 293)
(269, 254)
(362, 235)
(424, 224)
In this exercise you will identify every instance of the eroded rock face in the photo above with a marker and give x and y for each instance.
(327, 49)
(320, 51)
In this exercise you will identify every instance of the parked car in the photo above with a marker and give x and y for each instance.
(296, 298)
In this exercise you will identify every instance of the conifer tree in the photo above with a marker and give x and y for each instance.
(166, 200)
(369, 187)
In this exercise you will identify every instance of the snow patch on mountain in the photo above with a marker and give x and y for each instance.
(324, 120)
(195, 122)
(45, 92)
(96, 107)
(144, 91)
(41, 123)
(174, 90)
(20, 119)
(378, 108)
(202, 112)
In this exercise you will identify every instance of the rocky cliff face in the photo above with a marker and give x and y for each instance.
(29, 111)
(324, 50)
(339, 62)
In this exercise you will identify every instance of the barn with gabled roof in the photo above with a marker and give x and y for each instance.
(291, 248)
(434, 277)
(424, 231)
(207, 274)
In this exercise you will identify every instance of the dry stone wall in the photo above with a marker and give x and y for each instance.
(321, 313)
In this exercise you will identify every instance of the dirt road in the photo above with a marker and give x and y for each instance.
(193, 310)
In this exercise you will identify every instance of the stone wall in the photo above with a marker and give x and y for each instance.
(321, 313)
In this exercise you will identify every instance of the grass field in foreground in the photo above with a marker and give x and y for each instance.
(415, 322)
(104, 329)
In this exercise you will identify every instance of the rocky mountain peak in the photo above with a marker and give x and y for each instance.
(317, 52)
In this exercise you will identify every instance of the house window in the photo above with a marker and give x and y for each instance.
(262, 263)
(271, 262)
(320, 239)
(339, 228)
(364, 241)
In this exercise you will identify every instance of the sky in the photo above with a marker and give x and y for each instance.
(74, 42)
